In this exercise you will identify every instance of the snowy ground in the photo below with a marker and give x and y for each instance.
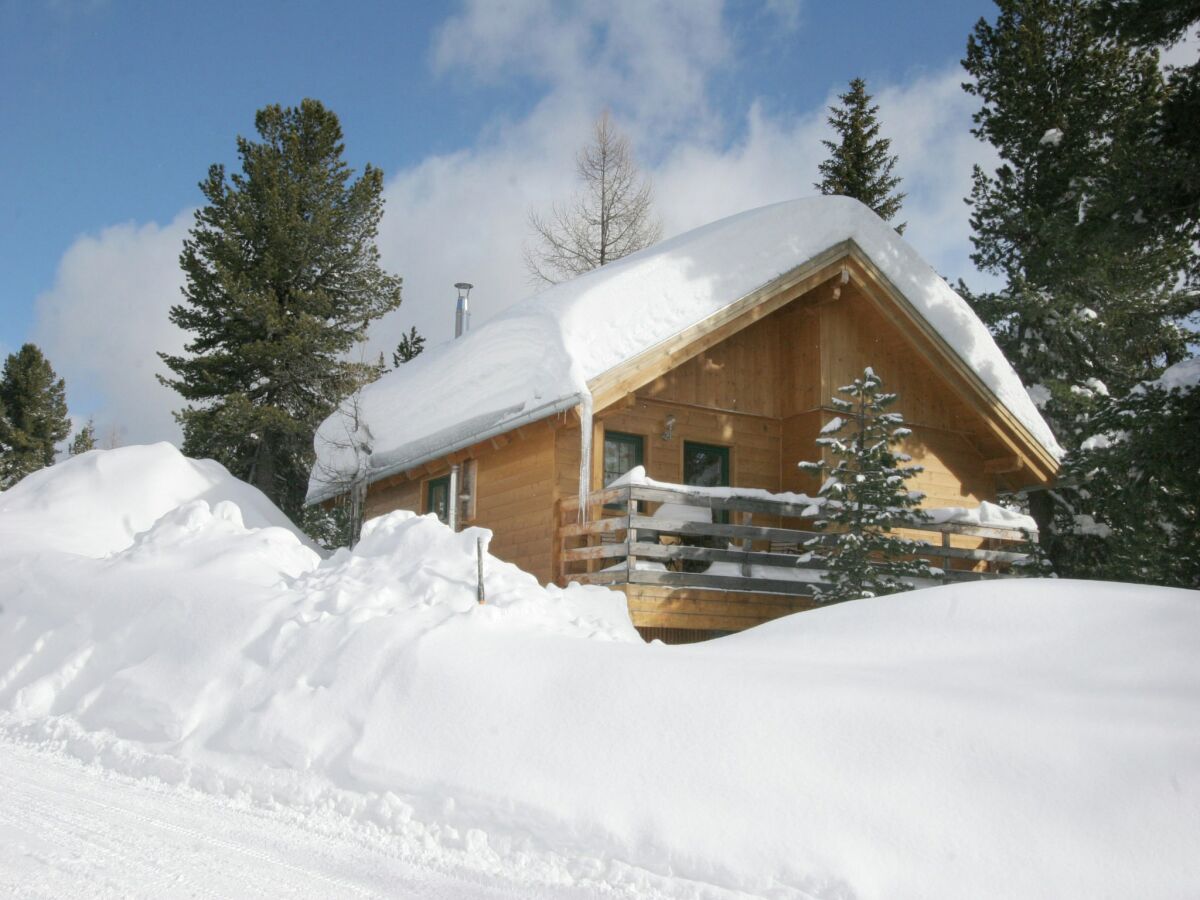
(237, 698)
(71, 830)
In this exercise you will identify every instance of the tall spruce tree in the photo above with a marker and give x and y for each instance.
(859, 164)
(1090, 301)
(1131, 508)
(33, 414)
(866, 498)
(1172, 197)
(282, 279)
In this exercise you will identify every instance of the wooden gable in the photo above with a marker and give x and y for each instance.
(783, 351)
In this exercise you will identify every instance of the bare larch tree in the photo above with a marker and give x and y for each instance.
(610, 217)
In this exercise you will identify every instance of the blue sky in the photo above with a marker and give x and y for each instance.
(114, 109)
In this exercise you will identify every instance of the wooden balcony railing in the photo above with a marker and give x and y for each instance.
(676, 536)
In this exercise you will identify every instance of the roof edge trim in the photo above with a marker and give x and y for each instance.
(545, 411)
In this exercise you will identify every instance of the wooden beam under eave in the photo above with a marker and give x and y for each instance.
(1003, 465)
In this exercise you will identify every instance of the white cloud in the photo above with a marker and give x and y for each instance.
(463, 215)
(928, 121)
(652, 58)
(103, 319)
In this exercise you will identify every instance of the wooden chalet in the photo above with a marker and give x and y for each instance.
(732, 392)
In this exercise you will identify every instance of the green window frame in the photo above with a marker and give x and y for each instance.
(707, 465)
(622, 452)
(437, 498)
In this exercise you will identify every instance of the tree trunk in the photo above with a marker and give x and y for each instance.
(262, 474)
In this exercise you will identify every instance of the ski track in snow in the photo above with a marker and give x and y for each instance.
(67, 829)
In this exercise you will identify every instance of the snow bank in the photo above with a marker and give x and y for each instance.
(538, 356)
(1020, 738)
(97, 502)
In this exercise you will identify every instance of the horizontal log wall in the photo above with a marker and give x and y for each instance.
(514, 496)
(652, 606)
(386, 496)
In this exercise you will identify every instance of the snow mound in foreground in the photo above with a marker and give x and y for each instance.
(1020, 738)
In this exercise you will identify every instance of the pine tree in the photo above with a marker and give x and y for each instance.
(33, 414)
(282, 280)
(1172, 200)
(859, 164)
(84, 440)
(866, 498)
(1131, 492)
(611, 217)
(1090, 302)
(409, 348)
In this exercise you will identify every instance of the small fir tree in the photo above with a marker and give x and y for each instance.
(84, 440)
(859, 164)
(866, 498)
(282, 280)
(33, 414)
(409, 348)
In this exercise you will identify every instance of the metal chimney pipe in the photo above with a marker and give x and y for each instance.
(462, 313)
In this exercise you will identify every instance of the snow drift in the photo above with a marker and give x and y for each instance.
(98, 502)
(1023, 738)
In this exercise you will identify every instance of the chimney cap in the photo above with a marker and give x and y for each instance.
(464, 285)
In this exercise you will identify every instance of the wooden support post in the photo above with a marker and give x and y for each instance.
(747, 545)
(946, 558)
(585, 456)
(631, 510)
(479, 595)
(452, 504)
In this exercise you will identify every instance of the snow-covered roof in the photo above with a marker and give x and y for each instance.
(538, 356)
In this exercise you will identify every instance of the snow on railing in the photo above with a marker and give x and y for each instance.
(640, 531)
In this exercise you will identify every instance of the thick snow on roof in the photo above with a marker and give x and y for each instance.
(537, 357)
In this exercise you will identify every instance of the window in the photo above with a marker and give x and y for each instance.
(621, 453)
(705, 465)
(437, 497)
(466, 490)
